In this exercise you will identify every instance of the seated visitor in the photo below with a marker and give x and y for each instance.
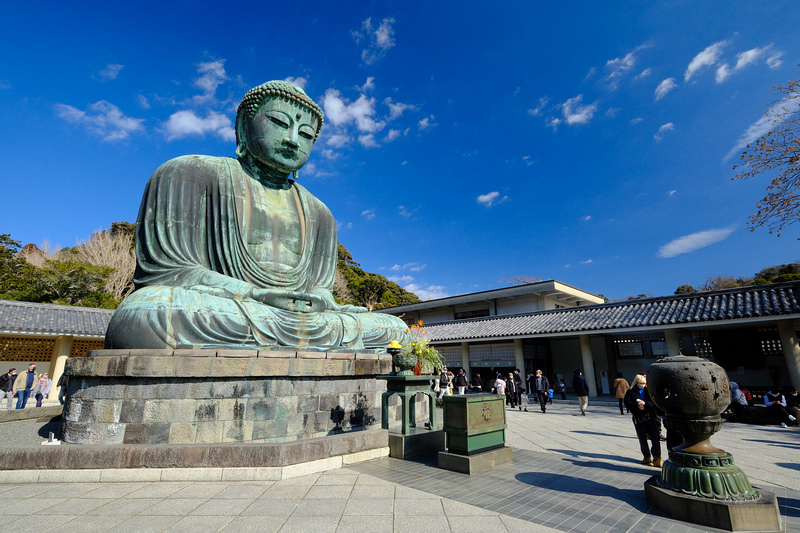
(738, 402)
(776, 402)
(232, 252)
(793, 402)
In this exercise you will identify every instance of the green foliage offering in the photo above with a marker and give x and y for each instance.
(366, 289)
(429, 360)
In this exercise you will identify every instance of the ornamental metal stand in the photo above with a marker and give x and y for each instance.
(700, 483)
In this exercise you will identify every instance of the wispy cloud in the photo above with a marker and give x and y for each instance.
(212, 75)
(111, 72)
(664, 87)
(369, 214)
(103, 119)
(575, 112)
(694, 241)
(407, 212)
(643, 74)
(747, 58)
(427, 122)
(586, 218)
(379, 39)
(540, 106)
(396, 109)
(587, 262)
(763, 125)
(491, 199)
(429, 292)
(669, 126)
(706, 58)
(186, 123)
(416, 266)
(339, 111)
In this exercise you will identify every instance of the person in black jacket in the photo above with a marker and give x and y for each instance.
(518, 383)
(477, 383)
(582, 390)
(7, 387)
(460, 382)
(541, 386)
(511, 391)
(643, 411)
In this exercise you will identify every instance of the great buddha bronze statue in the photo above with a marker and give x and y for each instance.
(234, 253)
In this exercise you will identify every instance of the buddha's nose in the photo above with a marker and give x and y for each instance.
(291, 138)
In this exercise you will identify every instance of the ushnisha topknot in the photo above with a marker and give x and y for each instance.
(281, 89)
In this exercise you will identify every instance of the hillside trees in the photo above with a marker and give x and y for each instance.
(777, 153)
(772, 274)
(367, 289)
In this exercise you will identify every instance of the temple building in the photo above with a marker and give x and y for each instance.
(750, 331)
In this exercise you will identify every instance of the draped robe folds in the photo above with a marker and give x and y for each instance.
(194, 271)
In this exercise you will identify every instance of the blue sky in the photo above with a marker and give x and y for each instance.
(464, 142)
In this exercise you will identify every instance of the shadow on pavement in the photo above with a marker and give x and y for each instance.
(561, 483)
(53, 425)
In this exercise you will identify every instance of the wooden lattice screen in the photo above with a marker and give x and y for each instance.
(26, 349)
(80, 347)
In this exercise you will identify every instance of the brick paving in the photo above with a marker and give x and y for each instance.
(570, 473)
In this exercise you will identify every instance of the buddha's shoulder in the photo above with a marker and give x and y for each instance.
(194, 167)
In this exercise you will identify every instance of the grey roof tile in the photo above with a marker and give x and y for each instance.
(779, 299)
(26, 318)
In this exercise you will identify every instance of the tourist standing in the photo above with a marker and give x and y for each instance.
(541, 386)
(582, 390)
(793, 402)
(518, 383)
(500, 385)
(24, 385)
(563, 388)
(511, 391)
(643, 411)
(63, 381)
(7, 387)
(461, 382)
(620, 388)
(42, 388)
(477, 383)
(444, 384)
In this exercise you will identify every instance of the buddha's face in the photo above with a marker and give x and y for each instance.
(281, 134)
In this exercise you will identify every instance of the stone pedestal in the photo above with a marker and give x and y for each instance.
(407, 388)
(477, 463)
(759, 514)
(221, 396)
(416, 442)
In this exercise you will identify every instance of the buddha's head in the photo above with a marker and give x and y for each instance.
(277, 124)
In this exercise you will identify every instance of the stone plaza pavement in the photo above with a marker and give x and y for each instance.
(570, 473)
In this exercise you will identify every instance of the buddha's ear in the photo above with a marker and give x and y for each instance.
(241, 145)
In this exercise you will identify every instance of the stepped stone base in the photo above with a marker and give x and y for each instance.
(221, 396)
(416, 442)
(476, 463)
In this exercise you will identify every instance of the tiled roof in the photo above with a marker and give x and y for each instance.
(779, 299)
(49, 319)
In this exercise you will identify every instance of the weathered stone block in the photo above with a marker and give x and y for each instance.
(196, 366)
(181, 411)
(150, 366)
(270, 429)
(206, 411)
(237, 431)
(208, 432)
(155, 411)
(311, 355)
(277, 354)
(230, 367)
(188, 352)
(260, 410)
(106, 353)
(115, 434)
(270, 366)
(182, 433)
(307, 367)
(340, 355)
(237, 353)
(159, 433)
(136, 434)
(286, 406)
(307, 404)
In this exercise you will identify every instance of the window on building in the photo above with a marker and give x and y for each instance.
(462, 315)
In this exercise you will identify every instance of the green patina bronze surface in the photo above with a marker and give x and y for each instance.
(474, 423)
(706, 476)
(234, 253)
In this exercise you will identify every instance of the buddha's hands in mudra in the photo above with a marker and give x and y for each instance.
(302, 302)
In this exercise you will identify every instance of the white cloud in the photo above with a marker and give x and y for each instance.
(694, 241)
(774, 61)
(664, 87)
(416, 266)
(102, 118)
(706, 58)
(672, 192)
(111, 71)
(587, 262)
(369, 214)
(537, 111)
(636, 120)
(368, 140)
(212, 76)
(528, 160)
(587, 218)
(361, 112)
(431, 292)
(426, 123)
(144, 103)
(299, 81)
(618, 67)
(762, 126)
(368, 85)
(391, 135)
(744, 59)
(186, 123)
(396, 109)
(400, 279)
(379, 39)
(405, 212)
(643, 74)
(491, 199)
(337, 140)
(669, 126)
(575, 112)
